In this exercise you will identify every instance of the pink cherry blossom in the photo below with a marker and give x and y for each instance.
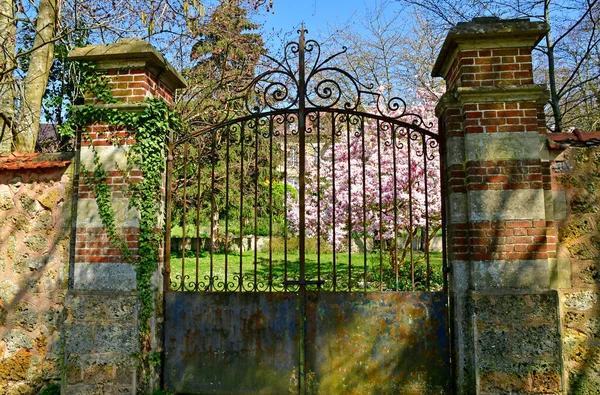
(376, 179)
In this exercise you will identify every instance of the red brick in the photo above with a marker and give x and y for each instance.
(519, 224)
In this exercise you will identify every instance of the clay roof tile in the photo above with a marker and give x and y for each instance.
(18, 160)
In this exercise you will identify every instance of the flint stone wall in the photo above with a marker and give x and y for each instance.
(35, 230)
(576, 186)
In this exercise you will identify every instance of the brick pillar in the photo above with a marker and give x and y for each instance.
(501, 237)
(102, 327)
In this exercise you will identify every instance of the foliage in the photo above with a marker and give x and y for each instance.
(42, 32)
(224, 57)
(51, 389)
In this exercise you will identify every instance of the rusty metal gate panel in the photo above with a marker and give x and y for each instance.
(356, 343)
(231, 343)
(377, 343)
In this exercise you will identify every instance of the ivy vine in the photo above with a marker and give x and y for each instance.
(149, 129)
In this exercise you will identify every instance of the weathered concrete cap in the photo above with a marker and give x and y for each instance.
(131, 53)
(487, 32)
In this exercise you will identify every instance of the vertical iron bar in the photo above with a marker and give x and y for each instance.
(184, 235)
(302, 161)
(285, 206)
(213, 209)
(349, 205)
(319, 199)
(256, 172)
(167, 250)
(410, 212)
(227, 141)
(426, 235)
(169, 207)
(333, 196)
(271, 203)
(241, 234)
(445, 268)
(396, 262)
(302, 206)
(199, 178)
(364, 203)
(380, 206)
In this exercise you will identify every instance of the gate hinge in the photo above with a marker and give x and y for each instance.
(447, 269)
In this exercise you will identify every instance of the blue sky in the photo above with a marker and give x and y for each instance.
(321, 17)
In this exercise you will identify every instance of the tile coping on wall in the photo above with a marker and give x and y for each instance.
(18, 160)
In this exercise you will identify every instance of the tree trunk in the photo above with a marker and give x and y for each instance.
(554, 99)
(7, 94)
(34, 85)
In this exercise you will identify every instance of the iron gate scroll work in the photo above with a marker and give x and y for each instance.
(299, 206)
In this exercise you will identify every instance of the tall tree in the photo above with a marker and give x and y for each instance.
(392, 48)
(7, 61)
(570, 48)
(30, 30)
(224, 57)
(36, 80)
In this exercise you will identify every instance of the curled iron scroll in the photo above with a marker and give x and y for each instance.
(328, 87)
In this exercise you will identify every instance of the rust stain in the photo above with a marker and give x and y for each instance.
(356, 343)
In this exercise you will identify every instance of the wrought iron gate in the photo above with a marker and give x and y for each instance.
(306, 209)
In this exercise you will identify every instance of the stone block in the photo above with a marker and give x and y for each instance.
(83, 389)
(118, 389)
(105, 276)
(11, 246)
(121, 308)
(36, 243)
(580, 300)
(560, 273)
(16, 339)
(501, 205)
(559, 205)
(455, 148)
(119, 338)
(112, 157)
(20, 222)
(518, 343)
(575, 228)
(44, 222)
(94, 374)
(25, 316)
(523, 274)
(504, 146)
(8, 290)
(80, 338)
(50, 198)
(15, 367)
(6, 201)
(52, 319)
(88, 215)
(458, 208)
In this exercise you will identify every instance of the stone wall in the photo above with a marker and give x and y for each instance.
(35, 234)
(576, 185)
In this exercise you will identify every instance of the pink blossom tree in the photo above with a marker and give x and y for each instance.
(375, 179)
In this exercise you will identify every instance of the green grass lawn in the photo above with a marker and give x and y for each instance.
(258, 268)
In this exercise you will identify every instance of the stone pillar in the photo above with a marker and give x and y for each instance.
(501, 237)
(103, 329)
